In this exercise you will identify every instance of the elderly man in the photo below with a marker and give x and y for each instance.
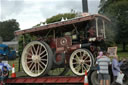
(103, 63)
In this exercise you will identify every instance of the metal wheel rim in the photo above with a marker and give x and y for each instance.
(35, 58)
(80, 63)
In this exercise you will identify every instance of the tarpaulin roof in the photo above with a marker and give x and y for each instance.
(60, 23)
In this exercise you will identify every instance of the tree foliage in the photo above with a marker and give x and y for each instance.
(7, 29)
(58, 17)
(117, 11)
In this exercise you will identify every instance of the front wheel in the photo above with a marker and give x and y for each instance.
(80, 60)
(94, 78)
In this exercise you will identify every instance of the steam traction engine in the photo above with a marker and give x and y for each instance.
(62, 45)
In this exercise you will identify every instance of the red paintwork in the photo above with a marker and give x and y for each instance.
(58, 79)
(53, 43)
(64, 41)
(67, 49)
(74, 47)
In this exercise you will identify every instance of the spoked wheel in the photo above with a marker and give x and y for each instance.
(36, 58)
(81, 60)
(58, 71)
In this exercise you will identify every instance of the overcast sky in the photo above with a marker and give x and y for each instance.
(31, 12)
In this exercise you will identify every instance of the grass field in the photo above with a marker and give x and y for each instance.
(120, 54)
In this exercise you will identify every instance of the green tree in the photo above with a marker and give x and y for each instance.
(117, 11)
(58, 17)
(7, 29)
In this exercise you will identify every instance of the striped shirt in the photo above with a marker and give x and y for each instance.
(103, 63)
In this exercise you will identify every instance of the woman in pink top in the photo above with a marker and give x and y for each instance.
(98, 57)
(100, 54)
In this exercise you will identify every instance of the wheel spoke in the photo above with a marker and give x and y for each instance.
(38, 68)
(80, 54)
(75, 63)
(41, 66)
(30, 65)
(77, 57)
(29, 62)
(87, 61)
(44, 59)
(42, 52)
(29, 58)
(84, 54)
(43, 56)
(40, 49)
(35, 68)
(87, 66)
(78, 68)
(43, 63)
(84, 67)
(34, 49)
(86, 57)
(28, 53)
(37, 50)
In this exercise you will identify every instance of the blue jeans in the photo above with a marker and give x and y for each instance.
(2, 78)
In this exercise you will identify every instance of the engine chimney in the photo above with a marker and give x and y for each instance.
(85, 6)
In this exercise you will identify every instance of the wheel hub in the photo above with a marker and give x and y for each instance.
(81, 61)
(36, 58)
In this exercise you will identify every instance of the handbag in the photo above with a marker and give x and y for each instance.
(120, 78)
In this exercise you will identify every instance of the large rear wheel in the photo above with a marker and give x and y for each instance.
(81, 60)
(36, 58)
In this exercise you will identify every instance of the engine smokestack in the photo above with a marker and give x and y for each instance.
(85, 6)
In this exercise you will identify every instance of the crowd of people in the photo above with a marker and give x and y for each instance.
(103, 62)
